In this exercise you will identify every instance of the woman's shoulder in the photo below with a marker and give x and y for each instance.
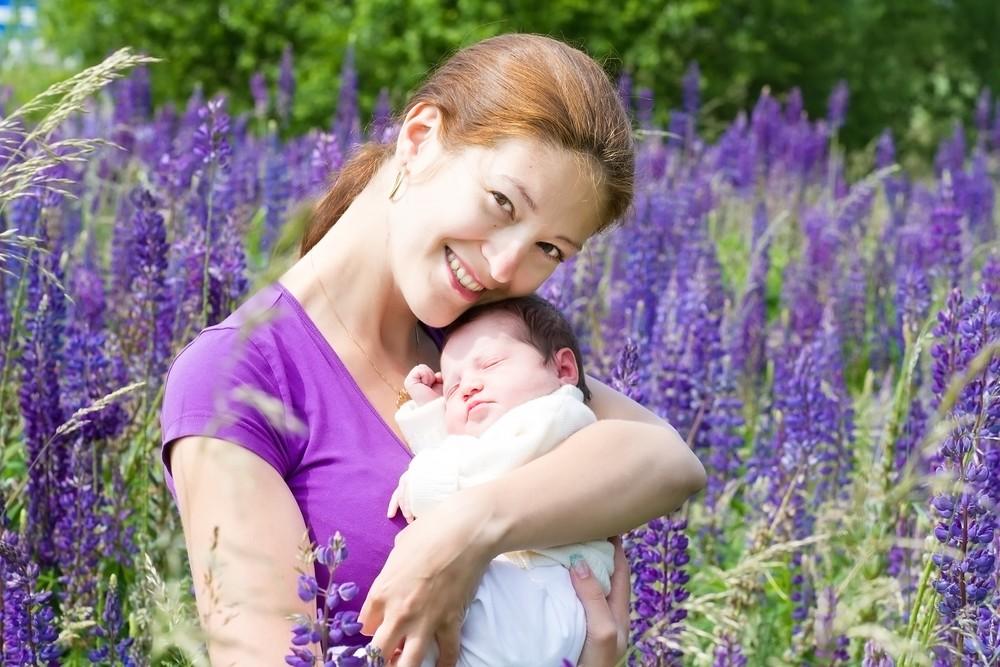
(246, 334)
(225, 382)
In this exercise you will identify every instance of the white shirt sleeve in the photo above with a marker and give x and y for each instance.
(422, 425)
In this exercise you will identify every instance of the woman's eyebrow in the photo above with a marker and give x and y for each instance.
(523, 190)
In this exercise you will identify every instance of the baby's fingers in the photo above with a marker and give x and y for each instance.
(393, 504)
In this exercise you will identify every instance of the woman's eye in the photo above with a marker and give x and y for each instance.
(552, 251)
(503, 202)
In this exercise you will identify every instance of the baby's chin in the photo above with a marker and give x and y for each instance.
(481, 418)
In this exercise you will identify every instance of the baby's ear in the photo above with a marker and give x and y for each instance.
(566, 369)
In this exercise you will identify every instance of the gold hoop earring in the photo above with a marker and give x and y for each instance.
(395, 186)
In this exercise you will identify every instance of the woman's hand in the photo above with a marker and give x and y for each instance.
(432, 573)
(607, 618)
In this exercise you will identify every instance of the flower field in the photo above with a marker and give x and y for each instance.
(822, 328)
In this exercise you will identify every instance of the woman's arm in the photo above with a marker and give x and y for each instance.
(607, 478)
(243, 531)
(628, 468)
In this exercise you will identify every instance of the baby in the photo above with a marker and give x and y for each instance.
(510, 389)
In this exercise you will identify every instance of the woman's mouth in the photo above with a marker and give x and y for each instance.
(464, 283)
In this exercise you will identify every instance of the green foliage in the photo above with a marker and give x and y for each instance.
(907, 63)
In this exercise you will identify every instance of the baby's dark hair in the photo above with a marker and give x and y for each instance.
(545, 328)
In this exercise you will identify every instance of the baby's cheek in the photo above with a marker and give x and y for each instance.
(452, 421)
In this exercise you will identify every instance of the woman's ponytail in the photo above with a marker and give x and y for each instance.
(356, 173)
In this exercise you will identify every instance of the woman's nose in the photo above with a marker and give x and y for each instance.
(504, 255)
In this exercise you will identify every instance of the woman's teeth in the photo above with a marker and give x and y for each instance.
(464, 278)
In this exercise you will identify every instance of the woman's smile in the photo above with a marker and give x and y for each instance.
(462, 277)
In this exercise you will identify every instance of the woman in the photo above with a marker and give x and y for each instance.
(277, 424)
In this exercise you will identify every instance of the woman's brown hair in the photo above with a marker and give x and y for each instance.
(514, 85)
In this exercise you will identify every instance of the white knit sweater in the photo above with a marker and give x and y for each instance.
(443, 464)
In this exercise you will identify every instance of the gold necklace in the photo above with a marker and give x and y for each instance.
(401, 395)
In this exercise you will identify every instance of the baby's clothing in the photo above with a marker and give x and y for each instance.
(525, 611)
(443, 464)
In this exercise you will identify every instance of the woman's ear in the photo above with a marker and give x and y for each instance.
(418, 143)
(566, 369)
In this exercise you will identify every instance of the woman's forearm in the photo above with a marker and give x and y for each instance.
(604, 480)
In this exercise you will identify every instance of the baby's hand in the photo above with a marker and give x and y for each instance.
(399, 500)
(423, 384)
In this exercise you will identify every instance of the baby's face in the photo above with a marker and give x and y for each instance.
(488, 370)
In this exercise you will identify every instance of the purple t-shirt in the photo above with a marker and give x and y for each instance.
(267, 380)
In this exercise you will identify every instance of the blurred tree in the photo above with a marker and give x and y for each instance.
(905, 61)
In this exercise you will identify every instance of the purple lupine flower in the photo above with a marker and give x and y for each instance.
(657, 556)
(29, 627)
(325, 161)
(151, 312)
(967, 520)
(644, 108)
(765, 125)
(89, 372)
(946, 234)
(728, 653)
(41, 408)
(885, 150)
(625, 91)
(261, 95)
(809, 449)
(111, 634)
(142, 92)
(913, 301)
(678, 129)
(794, 107)
(850, 302)
(347, 125)
(982, 115)
(186, 279)
(625, 376)
(735, 155)
(670, 385)
(210, 142)
(875, 656)
(657, 553)
(78, 532)
(990, 275)
(6, 92)
(328, 628)
(800, 287)
(277, 194)
(691, 85)
(836, 110)
(894, 184)
(980, 198)
(227, 279)
(747, 349)
(723, 435)
(995, 134)
(950, 155)
(381, 127)
(831, 648)
(286, 86)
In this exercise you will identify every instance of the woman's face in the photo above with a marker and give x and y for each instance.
(485, 224)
